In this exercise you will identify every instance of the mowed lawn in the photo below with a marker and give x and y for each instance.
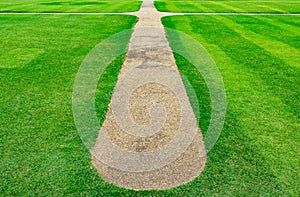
(69, 5)
(42, 154)
(40, 149)
(271, 6)
(259, 58)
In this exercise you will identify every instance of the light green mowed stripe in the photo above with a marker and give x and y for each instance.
(229, 6)
(281, 50)
(235, 8)
(268, 20)
(17, 58)
(282, 25)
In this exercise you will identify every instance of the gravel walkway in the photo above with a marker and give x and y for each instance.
(150, 138)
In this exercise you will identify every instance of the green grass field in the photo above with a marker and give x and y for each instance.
(259, 59)
(41, 152)
(69, 6)
(272, 6)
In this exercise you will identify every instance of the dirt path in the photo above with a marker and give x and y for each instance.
(150, 138)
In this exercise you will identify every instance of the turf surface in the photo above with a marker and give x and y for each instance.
(69, 6)
(258, 57)
(270, 6)
(41, 152)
